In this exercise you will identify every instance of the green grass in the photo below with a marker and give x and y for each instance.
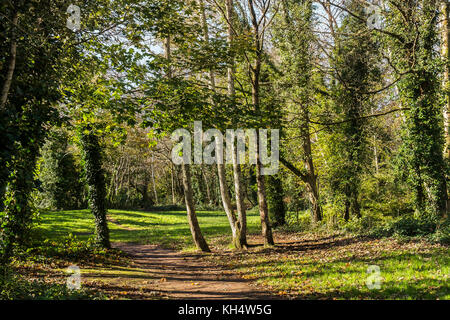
(167, 228)
(339, 269)
(302, 265)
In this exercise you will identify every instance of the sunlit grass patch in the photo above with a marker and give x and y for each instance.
(340, 270)
(167, 228)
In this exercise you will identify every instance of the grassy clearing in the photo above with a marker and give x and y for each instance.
(167, 228)
(302, 265)
(335, 267)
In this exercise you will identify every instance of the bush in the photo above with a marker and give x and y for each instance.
(60, 182)
(403, 227)
(71, 249)
(442, 234)
(300, 221)
(368, 224)
(411, 227)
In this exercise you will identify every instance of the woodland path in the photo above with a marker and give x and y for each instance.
(164, 273)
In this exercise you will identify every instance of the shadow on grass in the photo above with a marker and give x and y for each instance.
(428, 289)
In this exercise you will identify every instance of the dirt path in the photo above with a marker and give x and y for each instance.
(162, 273)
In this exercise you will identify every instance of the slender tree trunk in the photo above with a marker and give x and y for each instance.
(375, 154)
(197, 236)
(212, 77)
(237, 230)
(311, 177)
(196, 232)
(241, 223)
(347, 210)
(153, 182)
(226, 201)
(312, 185)
(316, 208)
(11, 63)
(208, 190)
(174, 201)
(255, 82)
(262, 202)
(356, 208)
(146, 201)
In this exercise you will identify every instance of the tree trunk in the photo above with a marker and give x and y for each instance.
(95, 179)
(311, 178)
(17, 219)
(262, 202)
(196, 232)
(445, 9)
(240, 240)
(241, 223)
(238, 233)
(11, 63)
(312, 185)
(316, 208)
(255, 82)
(208, 189)
(275, 196)
(153, 182)
(172, 184)
(347, 210)
(197, 236)
(226, 201)
(356, 209)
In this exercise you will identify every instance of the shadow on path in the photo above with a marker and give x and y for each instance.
(175, 275)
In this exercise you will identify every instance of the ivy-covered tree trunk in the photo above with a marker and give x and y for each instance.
(445, 10)
(294, 44)
(310, 177)
(6, 151)
(423, 134)
(196, 232)
(95, 179)
(17, 216)
(275, 194)
(5, 140)
(355, 59)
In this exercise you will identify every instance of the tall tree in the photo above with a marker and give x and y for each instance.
(95, 178)
(445, 40)
(294, 41)
(241, 223)
(355, 70)
(260, 20)
(414, 56)
(34, 57)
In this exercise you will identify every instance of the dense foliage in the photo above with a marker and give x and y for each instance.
(86, 115)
